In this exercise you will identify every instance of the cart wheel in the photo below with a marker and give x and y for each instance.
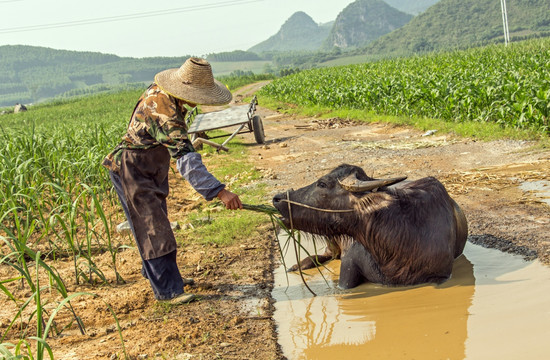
(258, 128)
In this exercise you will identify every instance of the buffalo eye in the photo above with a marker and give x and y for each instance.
(321, 184)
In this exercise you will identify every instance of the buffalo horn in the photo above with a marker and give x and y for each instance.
(352, 184)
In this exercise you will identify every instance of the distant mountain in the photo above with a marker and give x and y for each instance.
(30, 73)
(364, 21)
(411, 7)
(451, 24)
(299, 32)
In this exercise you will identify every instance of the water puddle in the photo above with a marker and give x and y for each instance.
(495, 306)
(540, 189)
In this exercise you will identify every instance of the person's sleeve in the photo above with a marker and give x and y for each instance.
(190, 166)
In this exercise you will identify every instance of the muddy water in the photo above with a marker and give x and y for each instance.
(495, 306)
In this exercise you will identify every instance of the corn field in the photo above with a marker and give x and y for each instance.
(54, 195)
(506, 85)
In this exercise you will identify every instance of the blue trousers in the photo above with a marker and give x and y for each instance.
(163, 273)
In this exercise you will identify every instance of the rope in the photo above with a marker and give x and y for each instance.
(296, 252)
(316, 208)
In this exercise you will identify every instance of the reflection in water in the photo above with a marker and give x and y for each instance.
(452, 321)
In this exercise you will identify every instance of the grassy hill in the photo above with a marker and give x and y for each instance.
(30, 74)
(454, 24)
(446, 25)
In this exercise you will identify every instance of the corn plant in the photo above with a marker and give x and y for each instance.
(18, 258)
(44, 322)
(54, 191)
(506, 85)
(50, 167)
(106, 222)
(67, 218)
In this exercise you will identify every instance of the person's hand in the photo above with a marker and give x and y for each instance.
(230, 199)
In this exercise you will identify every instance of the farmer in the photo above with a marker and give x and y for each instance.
(139, 167)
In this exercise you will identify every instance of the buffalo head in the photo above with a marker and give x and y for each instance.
(329, 206)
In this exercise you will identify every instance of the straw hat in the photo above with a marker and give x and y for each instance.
(195, 83)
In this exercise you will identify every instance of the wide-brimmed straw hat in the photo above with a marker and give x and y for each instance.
(194, 82)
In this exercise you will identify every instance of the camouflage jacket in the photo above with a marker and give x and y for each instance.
(158, 119)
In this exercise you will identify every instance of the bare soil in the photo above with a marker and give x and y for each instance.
(232, 318)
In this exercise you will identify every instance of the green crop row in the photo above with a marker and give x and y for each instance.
(51, 178)
(506, 85)
(55, 200)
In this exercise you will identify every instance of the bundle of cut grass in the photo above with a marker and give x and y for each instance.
(267, 209)
(291, 233)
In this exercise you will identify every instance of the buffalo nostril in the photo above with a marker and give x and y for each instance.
(282, 196)
(279, 197)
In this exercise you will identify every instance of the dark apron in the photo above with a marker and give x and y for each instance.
(144, 178)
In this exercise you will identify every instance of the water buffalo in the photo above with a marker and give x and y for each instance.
(390, 232)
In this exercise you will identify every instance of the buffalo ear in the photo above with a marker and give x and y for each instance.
(352, 184)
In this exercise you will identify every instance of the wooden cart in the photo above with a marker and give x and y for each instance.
(241, 118)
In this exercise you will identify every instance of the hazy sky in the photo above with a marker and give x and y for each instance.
(144, 28)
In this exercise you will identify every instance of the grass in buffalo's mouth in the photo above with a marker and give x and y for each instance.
(292, 235)
(266, 209)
